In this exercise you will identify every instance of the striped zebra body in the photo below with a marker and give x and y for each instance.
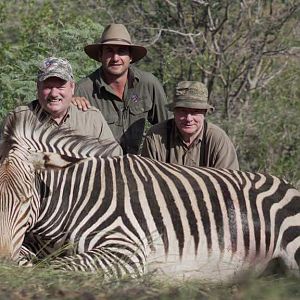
(132, 215)
(135, 215)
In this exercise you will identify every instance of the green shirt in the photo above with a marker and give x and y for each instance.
(220, 150)
(90, 122)
(143, 99)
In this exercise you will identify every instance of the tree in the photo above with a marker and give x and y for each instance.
(246, 52)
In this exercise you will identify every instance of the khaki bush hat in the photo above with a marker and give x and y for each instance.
(55, 67)
(115, 34)
(191, 94)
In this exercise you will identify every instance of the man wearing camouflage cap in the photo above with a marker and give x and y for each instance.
(189, 139)
(55, 89)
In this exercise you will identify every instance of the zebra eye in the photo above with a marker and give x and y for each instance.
(26, 225)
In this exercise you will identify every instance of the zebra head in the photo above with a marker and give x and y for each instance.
(19, 197)
(25, 149)
(16, 186)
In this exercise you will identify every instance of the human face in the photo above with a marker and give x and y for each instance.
(55, 95)
(115, 60)
(189, 122)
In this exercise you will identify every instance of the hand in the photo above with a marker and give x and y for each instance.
(81, 102)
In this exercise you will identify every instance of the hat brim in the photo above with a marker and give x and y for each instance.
(193, 105)
(137, 52)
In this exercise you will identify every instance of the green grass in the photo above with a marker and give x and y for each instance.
(44, 283)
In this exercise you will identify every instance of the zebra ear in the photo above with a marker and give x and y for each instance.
(46, 160)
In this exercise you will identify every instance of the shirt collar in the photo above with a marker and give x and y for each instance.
(47, 115)
(133, 78)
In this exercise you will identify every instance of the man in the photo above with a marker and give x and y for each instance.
(55, 89)
(126, 96)
(189, 139)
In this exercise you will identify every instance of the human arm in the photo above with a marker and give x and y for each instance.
(153, 145)
(159, 111)
(222, 151)
(148, 148)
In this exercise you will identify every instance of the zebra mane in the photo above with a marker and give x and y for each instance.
(37, 136)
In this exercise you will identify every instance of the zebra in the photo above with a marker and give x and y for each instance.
(62, 198)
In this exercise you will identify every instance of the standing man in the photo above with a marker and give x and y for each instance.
(189, 139)
(55, 89)
(126, 96)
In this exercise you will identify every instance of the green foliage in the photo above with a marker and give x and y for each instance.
(271, 128)
(237, 50)
(41, 32)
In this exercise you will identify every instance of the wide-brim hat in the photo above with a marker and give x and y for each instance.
(115, 34)
(191, 94)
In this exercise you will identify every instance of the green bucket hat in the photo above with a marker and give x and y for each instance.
(191, 94)
(115, 34)
(55, 67)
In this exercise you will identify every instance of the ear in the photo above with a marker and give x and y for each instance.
(72, 83)
(48, 160)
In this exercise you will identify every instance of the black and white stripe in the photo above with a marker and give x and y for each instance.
(131, 215)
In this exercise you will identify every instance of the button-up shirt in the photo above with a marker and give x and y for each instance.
(143, 99)
(88, 123)
(220, 150)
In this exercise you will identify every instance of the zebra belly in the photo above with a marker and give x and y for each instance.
(205, 264)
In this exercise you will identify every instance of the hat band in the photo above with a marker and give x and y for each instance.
(191, 97)
(119, 40)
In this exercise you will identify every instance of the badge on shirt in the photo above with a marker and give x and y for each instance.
(134, 98)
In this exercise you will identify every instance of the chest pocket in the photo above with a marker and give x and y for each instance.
(112, 118)
(141, 107)
(110, 111)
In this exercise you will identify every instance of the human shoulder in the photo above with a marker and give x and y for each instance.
(20, 109)
(88, 80)
(215, 130)
(21, 113)
(217, 136)
(221, 148)
(25, 109)
(144, 76)
(90, 122)
(92, 111)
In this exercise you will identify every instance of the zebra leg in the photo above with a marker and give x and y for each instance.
(288, 246)
(290, 255)
(26, 257)
(113, 262)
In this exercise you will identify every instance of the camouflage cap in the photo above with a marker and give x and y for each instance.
(191, 94)
(55, 67)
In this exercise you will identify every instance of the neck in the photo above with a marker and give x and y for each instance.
(58, 117)
(116, 82)
(189, 139)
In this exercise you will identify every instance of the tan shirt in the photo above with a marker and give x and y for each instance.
(88, 123)
(220, 150)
